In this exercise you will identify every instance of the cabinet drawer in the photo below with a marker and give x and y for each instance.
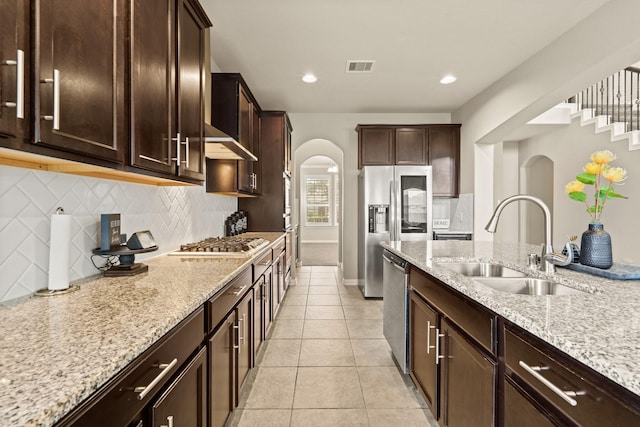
(119, 400)
(473, 319)
(278, 247)
(594, 404)
(221, 304)
(261, 264)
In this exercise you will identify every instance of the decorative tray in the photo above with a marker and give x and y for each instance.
(616, 272)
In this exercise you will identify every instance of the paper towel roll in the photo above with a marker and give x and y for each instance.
(59, 252)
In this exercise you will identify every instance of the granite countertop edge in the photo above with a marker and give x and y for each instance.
(591, 344)
(66, 347)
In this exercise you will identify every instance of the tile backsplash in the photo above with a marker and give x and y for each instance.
(28, 198)
(454, 214)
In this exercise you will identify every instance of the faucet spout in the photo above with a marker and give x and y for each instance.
(492, 225)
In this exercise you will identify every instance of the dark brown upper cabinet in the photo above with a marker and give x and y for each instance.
(267, 212)
(444, 157)
(235, 111)
(14, 70)
(79, 67)
(375, 146)
(437, 145)
(411, 146)
(167, 104)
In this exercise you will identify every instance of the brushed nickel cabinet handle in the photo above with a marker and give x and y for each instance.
(565, 395)
(178, 143)
(186, 148)
(144, 390)
(238, 291)
(55, 118)
(429, 328)
(169, 422)
(438, 336)
(19, 103)
(237, 344)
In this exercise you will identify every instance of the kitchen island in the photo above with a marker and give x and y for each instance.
(56, 352)
(599, 327)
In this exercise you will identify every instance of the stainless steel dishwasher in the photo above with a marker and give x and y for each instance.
(395, 300)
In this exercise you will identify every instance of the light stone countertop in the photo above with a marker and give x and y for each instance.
(57, 351)
(600, 328)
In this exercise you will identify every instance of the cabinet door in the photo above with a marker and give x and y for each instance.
(185, 401)
(244, 319)
(153, 121)
(444, 157)
(221, 372)
(411, 146)
(258, 310)
(257, 150)
(376, 146)
(520, 411)
(267, 300)
(287, 146)
(423, 322)
(191, 91)
(80, 103)
(468, 384)
(14, 61)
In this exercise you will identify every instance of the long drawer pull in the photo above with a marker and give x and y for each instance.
(565, 395)
(143, 391)
(238, 291)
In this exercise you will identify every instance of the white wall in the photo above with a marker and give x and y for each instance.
(174, 215)
(569, 149)
(340, 129)
(580, 57)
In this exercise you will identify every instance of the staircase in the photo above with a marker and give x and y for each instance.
(611, 105)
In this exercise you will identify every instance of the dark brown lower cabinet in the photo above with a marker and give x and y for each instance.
(561, 389)
(468, 381)
(452, 365)
(423, 370)
(244, 322)
(519, 409)
(222, 375)
(184, 403)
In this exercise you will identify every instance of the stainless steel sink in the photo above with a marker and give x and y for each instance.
(482, 269)
(528, 286)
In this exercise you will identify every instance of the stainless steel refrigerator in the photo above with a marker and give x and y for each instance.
(394, 203)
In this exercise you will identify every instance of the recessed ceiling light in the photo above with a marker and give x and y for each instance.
(309, 78)
(448, 79)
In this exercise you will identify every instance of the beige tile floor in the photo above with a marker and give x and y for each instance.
(327, 363)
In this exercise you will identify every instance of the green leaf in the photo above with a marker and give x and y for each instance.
(592, 209)
(578, 195)
(586, 178)
(617, 196)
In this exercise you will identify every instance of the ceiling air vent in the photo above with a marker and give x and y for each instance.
(359, 66)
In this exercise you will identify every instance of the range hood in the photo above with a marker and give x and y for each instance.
(219, 145)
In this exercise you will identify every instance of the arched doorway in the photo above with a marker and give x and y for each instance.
(318, 192)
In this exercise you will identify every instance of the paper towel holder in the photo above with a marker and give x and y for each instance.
(46, 292)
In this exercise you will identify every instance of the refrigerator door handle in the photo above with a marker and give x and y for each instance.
(393, 212)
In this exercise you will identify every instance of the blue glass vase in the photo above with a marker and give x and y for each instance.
(595, 247)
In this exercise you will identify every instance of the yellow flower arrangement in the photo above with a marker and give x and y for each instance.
(591, 174)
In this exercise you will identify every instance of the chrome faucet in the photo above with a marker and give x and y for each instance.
(547, 248)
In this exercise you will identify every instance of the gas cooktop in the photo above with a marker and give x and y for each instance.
(223, 246)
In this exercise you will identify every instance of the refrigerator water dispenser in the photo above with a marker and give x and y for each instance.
(378, 218)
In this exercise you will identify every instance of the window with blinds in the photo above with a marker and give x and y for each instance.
(318, 200)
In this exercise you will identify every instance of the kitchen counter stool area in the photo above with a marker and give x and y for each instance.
(327, 363)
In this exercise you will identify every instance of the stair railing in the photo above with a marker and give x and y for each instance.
(617, 97)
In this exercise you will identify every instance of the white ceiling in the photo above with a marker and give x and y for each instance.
(273, 43)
